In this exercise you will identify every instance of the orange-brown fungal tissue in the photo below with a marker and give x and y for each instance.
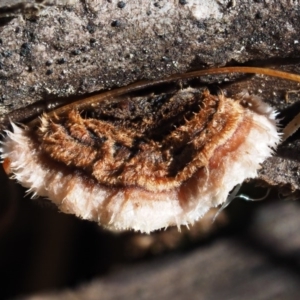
(6, 166)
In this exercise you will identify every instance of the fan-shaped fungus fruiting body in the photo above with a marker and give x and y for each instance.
(146, 162)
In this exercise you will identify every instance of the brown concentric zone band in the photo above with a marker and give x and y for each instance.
(156, 153)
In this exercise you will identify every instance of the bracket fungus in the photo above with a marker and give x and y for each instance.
(144, 162)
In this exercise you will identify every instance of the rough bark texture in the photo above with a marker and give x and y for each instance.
(95, 45)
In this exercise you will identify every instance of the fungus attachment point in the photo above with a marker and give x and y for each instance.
(144, 162)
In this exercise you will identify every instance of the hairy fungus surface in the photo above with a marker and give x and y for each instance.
(144, 162)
